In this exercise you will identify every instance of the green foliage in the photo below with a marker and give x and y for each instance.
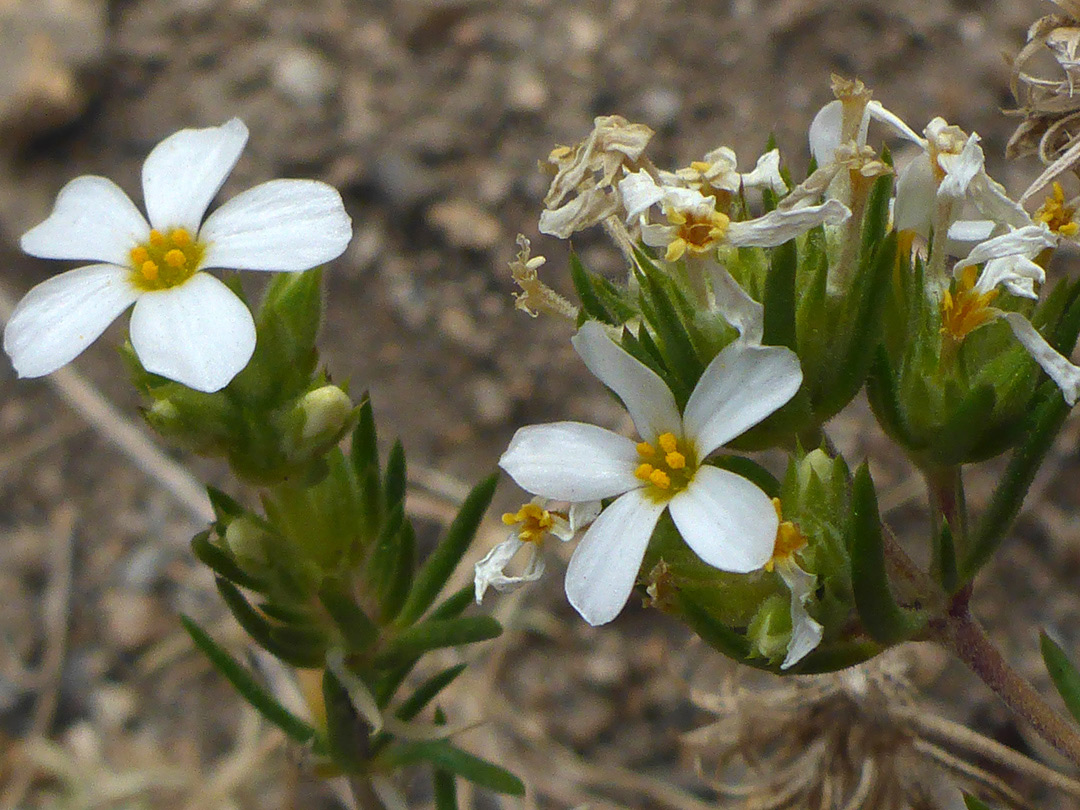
(1063, 672)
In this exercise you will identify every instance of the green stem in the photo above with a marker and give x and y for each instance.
(958, 632)
(947, 506)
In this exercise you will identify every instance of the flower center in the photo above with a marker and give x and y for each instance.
(1058, 216)
(788, 538)
(696, 231)
(668, 468)
(964, 310)
(535, 522)
(165, 260)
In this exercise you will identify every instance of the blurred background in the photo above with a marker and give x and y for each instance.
(430, 117)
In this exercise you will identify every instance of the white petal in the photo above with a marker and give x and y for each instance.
(284, 225)
(961, 169)
(1015, 273)
(766, 174)
(825, 131)
(658, 235)
(639, 192)
(489, 570)
(605, 564)
(806, 632)
(894, 123)
(916, 191)
(646, 396)
(63, 315)
(183, 173)
(571, 461)
(972, 230)
(726, 520)
(199, 334)
(582, 514)
(1028, 241)
(781, 225)
(92, 219)
(740, 387)
(1057, 368)
(736, 305)
(990, 198)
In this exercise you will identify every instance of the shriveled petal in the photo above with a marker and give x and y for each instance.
(736, 305)
(582, 514)
(63, 315)
(489, 572)
(1016, 274)
(658, 235)
(286, 225)
(571, 461)
(766, 174)
(916, 191)
(646, 396)
(893, 123)
(183, 173)
(990, 198)
(92, 219)
(961, 169)
(639, 192)
(740, 387)
(1028, 241)
(781, 225)
(199, 334)
(1057, 367)
(726, 520)
(825, 132)
(806, 632)
(605, 564)
(591, 206)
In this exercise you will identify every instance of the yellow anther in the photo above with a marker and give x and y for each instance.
(675, 461)
(668, 443)
(149, 270)
(139, 255)
(644, 472)
(700, 166)
(510, 518)
(646, 450)
(175, 258)
(180, 237)
(157, 238)
(788, 538)
(660, 479)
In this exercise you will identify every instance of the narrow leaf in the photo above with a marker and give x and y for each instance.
(590, 302)
(436, 633)
(222, 563)
(356, 628)
(780, 296)
(426, 692)
(450, 758)
(1063, 672)
(395, 483)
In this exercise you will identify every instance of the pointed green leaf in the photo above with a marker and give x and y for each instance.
(222, 563)
(225, 508)
(455, 604)
(780, 296)
(974, 803)
(426, 692)
(356, 628)
(398, 584)
(434, 634)
(461, 763)
(243, 682)
(444, 787)
(1063, 673)
(396, 480)
(590, 302)
(347, 733)
(301, 648)
(364, 451)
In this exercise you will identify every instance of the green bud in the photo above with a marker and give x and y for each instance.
(770, 629)
(327, 413)
(247, 541)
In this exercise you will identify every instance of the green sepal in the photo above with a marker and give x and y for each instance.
(364, 451)
(358, 631)
(396, 588)
(396, 479)
(881, 391)
(779, 303)
(1046, 420)
(590, 301)
(974, 803)
(885, 621)
(222, 563)
(834, 656)
(225, 507)
(444, 790)
(300, 647)
(955, 439)
(440, 564)
(452, 759)
(244, 683)
(435, 634)
(347, 733)
(678, 350)
(1063, 672)
(876, 217)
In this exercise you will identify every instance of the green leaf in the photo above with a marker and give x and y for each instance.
(356, 628)
(347, 733)
(678, 350)
(242, 681)
(397, 585)
(884, 620)
(426, 692)
(1047, 419)
(590, 302)
(780, 296)
(364, 452)
(225, 508)
(449, 758)
(876, 219)
(455, 604)
(945, 559)
(1063, 672)
(440, 564)
(396, 480)
(296, 646)
(222, 563)
(973, 803)
(445, 789)
(434, 634)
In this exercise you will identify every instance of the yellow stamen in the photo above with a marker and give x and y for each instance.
(175, 258)
(157, 238)
(788, 538)
(659, 478)
(644, 471)
(149, 270)
(1057, 216)
(668, 443)
(139, 256)
(964, 310)
(535, 522)
(646, 450)
(165, 259)
(180, 237)
(675, 460)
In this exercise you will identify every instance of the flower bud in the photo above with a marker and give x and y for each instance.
(327, 413)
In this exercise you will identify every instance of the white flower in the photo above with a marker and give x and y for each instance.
(533, 522)
(727, 521)
(1007, 261)
(719, 173)
(806, 631)
(186, 325)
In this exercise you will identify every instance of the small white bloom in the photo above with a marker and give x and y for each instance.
(533, 522)
(727, 521)
(718, 173)
(806, 631)
(186, 325)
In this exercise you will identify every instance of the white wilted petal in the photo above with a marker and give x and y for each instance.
(736, 305)
(806, 632)
(916, 192)
(285, 225)
(894, 123)
(645, 395)
(604, 566)
(490, 571)
(961, 169)
(182, 174)
(639, 192)
(1057, 367)
(199, 333)
(571, 461)
(782, 225)
(825, 132)
(726, 519)
(1016, 274)
(1027, 241)
(61, 316)
(92, 219)
(766, 174)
